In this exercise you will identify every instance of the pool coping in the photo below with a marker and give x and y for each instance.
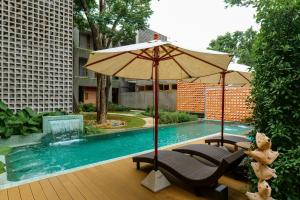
(18, 183)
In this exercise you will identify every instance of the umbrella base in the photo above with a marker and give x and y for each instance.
(155, 181)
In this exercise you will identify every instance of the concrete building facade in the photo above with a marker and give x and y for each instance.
(36, 54)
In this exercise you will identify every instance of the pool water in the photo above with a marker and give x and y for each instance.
(36, 160)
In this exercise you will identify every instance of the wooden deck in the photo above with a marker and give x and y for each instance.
(117, 180)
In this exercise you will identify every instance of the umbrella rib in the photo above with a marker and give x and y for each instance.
(168, 53)
(104, 59)
(141, 56)
(168, 58)
(199, 59)
(129, 62)
(177, 62)
(243, 76)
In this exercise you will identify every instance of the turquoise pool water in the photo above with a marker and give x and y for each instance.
(36, 160)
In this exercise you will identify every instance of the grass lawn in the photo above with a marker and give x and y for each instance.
(131, 122)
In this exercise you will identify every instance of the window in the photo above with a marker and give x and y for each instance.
(149, 87)
(166, 87)
(161, 87)
(141, 88)
(174, 86)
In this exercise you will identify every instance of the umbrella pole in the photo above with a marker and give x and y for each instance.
(223, 106)
(156, 181)
(156, 63)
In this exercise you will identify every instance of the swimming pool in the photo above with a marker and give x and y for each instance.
(36, 160)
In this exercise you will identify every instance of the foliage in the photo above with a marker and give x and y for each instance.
(89, 107)
(23, 122)
(4, 150)
(239, 43)
(117, 107)
(119, 21)
(167, 117)
(275, 94)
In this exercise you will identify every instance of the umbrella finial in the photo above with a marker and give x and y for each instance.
(156, 36)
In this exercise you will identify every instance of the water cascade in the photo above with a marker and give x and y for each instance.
(63, 129)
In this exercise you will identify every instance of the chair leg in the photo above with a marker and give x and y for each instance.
(138, 166)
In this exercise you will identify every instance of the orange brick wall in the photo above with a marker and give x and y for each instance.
(196, 97)
(190, 97)
(236, 108)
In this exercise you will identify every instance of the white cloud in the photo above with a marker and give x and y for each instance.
(196, 22)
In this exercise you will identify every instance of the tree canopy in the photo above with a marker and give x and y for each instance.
(117, 21)
(239, 43)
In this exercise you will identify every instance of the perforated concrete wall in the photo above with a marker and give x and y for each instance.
(36, 54)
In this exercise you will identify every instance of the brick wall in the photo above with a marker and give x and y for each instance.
(196, 97)
(236, 108)
(190, 97)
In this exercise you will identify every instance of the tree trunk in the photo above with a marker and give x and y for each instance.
(107, 90)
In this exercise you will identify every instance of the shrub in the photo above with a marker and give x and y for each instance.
(275, 94)
(23, 122)
(167, 117)
(117, 107)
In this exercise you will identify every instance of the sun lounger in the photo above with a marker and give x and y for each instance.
(228, 139)
(212, 153)
(188, 169)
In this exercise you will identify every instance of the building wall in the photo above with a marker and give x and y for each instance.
(89, 95)
(36, 54)
(141, 100)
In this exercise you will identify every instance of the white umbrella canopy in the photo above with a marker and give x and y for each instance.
(237, 74)
(175, 62)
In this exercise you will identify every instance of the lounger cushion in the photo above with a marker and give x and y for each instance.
(211, 153)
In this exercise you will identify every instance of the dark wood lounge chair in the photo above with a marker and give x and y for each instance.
(228, 139)
(212, 153)
(188, 169)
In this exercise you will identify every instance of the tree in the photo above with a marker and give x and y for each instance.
(276, 88)
(239, 43)
(110, 21)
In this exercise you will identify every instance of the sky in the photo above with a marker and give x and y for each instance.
(195, 23)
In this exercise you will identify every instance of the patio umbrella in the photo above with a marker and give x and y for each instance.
(156, 60)
(236, 74)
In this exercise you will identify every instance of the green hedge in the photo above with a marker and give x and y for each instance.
(23, 122)
(167, 117)
(111, 107)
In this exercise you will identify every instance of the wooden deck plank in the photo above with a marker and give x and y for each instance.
(48, 190)
(96, 190)
(84, 190)
(3, 195)
(70, 187)
(14, 193)
(127, 169)
(60, 189)
(37, 191)
(25, 192)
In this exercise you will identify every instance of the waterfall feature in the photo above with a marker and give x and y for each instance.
(63, 129)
